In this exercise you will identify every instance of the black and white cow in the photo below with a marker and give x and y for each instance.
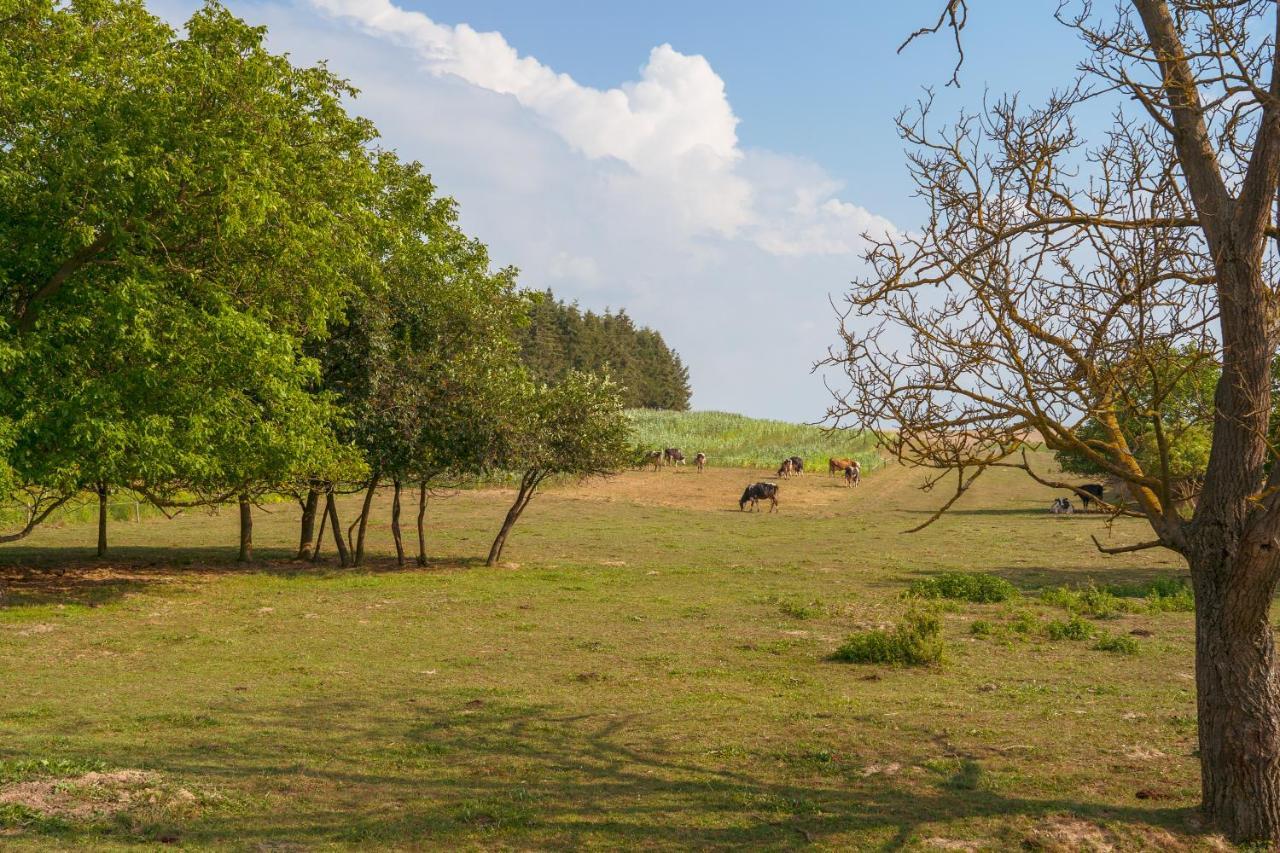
(757, 492)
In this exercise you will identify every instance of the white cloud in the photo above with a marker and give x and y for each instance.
(639, 196)
(674, 127)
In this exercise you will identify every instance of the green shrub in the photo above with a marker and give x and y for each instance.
(1098, 602)
(981, 628)
(1168, 594)
(914, 641)
(1074, 628)
(1024, 622)
(1120, 645)
(964, 586)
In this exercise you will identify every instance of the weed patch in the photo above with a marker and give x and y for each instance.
(1117, 644)
(1074, 628)
(915, 641)
(976, 587)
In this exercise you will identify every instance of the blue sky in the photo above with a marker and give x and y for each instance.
(708, 166)
(816, 79)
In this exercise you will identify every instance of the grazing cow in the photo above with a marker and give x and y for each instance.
(786, 469)
(1062, 506)
(654, 458)
(797, 465)
(1090, 492)
(673, 456)
(834, 465)
(853, 475)
(757, 492)
(700, 460)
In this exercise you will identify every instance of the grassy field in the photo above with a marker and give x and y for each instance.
(651, 670)
(738, 441)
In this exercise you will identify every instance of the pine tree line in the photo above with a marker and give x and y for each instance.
(561, 337)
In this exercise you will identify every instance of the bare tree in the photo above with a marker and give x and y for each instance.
(1057, 282)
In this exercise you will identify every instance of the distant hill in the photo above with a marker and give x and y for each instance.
(562, 337)
(739, 441)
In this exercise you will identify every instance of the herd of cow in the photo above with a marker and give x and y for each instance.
(849, 469)
(792, 466)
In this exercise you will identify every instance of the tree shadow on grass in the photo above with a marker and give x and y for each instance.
(39, 577)
(1038, 578)
(449, 770)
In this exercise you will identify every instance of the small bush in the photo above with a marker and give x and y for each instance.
(981, 628)
(799, 610)
(915, 641)
(1120, 644)
(1168, 594)
(964, 586)
(1098, 602)
(1074, 628)
(1171, 595)
(1024, 622)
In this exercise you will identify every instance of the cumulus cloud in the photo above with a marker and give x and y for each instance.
(639, 196)
(674, 128)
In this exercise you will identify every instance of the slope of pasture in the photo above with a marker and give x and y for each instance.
(732, 440)
(650, 670)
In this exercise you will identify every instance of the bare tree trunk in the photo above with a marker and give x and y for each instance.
(364, 518)
(422, 532)
(395, 523)
(1238, 698)
(324, 520)
(103, 491)
(1235, 561)
(307, 536)
(246, 530)
(528, 484)
(331, 511)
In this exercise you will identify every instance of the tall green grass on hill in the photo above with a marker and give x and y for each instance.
(731, 440)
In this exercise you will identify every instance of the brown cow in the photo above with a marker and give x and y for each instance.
(700, 460)
(834, 465)
(786, 469)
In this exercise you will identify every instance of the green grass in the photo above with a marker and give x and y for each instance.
(650, 669)
(738, 441)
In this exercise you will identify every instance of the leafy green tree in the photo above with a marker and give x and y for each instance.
(575, 428)
(228, 190)
(422, 354)
(1164, 404)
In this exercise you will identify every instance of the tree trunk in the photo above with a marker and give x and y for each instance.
(103, 491)
(1238, 694)
(528, 484)
(331, 512)
(364, 519)
(324, 521)
(422, 531)
(307, 537)
(395, 523)
(246, 530)
(1233, 554)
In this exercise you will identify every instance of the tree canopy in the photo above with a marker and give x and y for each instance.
(561, 338)
(215, 286)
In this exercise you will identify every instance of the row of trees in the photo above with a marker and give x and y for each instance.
(215, 286)
(561, 338)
